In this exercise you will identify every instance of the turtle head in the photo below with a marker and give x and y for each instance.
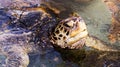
(70, 33)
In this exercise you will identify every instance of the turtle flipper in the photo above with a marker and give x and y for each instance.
(98, 44)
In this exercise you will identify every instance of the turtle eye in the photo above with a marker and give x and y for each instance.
(69, 24)
(66, 25)
(74, 19)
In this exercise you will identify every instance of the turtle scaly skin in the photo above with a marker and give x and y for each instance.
(70, 33)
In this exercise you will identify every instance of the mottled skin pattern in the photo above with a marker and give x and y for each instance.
(72, 33)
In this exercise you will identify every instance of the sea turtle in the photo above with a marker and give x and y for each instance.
(23, 38)
(72, 33)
